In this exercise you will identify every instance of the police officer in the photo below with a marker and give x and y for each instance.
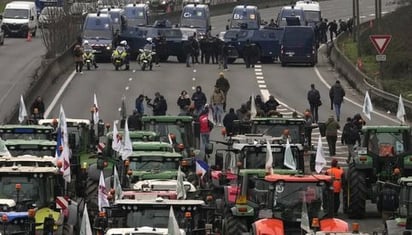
(336, 173)
(196, 49)
(203, 44)
(127, 58)
(247, 53)
(188, 50)
(161, 48)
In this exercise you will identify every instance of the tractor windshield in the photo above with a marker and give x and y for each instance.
(255, 157)
(182, 132)
(34, 152)
(25, 136)
(277, 131)
(36, 189)
(153, 164)
(386, 144)
(159, 217)
(288, 200)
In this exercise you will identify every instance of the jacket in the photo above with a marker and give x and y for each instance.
(218, 97)
(183, 101)
(336, 173)
(332, 127)
(199, 99)
(313, 97)
(78, 53)
(223, 84)
(204, 123)
(336, 93)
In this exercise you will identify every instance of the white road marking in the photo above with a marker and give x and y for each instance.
(258, 70)
(260, 81)
(259, 73)
(59, 94)
(262, 86)
(258, 66)
(259, 77)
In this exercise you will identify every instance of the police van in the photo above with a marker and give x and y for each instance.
(20, 18)
(136, 15)
(98, 31)
(196, 16)
(245, 17)
(298, 45)
(291, 12)
(312, 11)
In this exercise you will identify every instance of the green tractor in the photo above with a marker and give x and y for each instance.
(385, 154)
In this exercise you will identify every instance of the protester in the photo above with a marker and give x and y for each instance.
(336, 173)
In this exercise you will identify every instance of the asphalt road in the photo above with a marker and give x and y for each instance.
(289, 85)
(18, 61)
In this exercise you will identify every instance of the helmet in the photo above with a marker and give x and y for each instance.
(123, 43)
(149, 40)
(86, 42)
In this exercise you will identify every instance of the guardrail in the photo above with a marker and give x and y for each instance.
(362, 83)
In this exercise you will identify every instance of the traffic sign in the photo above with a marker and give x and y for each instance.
(380, 42)
(380, 58)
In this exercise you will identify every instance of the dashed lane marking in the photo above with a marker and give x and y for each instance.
(259, 77)
(260, 81)
(262, 86)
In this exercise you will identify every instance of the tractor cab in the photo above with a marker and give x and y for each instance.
(26, 132)
(179, 129)
(153, 215)
(291, 202)
(245, 17)
(403, 221)
(40, 148)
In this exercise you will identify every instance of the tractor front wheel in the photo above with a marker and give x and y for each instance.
(234, 225)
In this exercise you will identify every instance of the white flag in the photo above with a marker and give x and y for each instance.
(269, 158)
(210, 115)
(3, 149)
(116, 185)
(288, 159)
(253, 111)
(123, 112)
(304, 222)
(85, 227)
(96, 117)
(180, 187)
(172, 226)
(320, 161)
(65, 153)
(102, 193)
(401, 110)
(127, 145)
(116, 142)
(22, 110)
(367, 106)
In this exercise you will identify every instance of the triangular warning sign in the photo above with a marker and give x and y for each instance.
(380, 42)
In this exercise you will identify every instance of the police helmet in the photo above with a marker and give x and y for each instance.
(86, 42)
(149, 40)
(123, 43)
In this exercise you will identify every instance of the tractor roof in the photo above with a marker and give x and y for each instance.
(25, 129)
(279, 120)
(152, 146)
(134, 135)
(139, 154)
(385, 129)
(297, 178)
(28, 164)
(71, 122)
(160, 201)
(167, 119)
(26, 144)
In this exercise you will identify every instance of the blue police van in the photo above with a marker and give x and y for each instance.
(298, 45)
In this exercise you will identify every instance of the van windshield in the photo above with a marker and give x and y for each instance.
(245, 17)
(134, 13)
(298, 37)
(16, 14)
(312, 16)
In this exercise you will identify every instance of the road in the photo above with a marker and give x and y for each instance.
(18, 61)
(289, 85)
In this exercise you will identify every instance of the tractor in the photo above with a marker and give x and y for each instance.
(152, 216)
(385, 154)
(30, 182)
(402, 222)
(26, 132)
(287, 204)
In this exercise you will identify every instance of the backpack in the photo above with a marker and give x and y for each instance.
(77, 52)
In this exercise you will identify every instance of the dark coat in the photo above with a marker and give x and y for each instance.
(223, 84)
(199, 99)
(336, 93)
(159, 106)
(228, 122)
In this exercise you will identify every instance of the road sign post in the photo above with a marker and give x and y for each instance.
(380, 42)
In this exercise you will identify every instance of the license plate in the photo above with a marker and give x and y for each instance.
(88, 61)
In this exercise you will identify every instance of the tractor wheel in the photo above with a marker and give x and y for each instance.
(91, 197)
(356, 190)
(235, 225)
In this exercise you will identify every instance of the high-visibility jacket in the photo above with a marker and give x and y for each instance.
(336, 174)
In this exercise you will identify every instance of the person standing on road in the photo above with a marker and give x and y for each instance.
(188, 50)
(314, 102)
(159, 105)
(271, 105)
(217, 99)
(39, 105)
(336, 94)
(183, 101)
(228, 122)
(336, 173)
(223, 84)
(139, 106)
(199, 100)
(205, 126)
(308, 126)
(224, 54)
(350, 135)
(333, 29)
(78, 58)
(332, 127)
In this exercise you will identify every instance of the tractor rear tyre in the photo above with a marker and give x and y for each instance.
(357, 193)
(235, 225)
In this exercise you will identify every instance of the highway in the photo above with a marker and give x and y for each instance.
(288, 84)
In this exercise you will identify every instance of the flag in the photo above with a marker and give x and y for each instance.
(172, 226)
(180, 187)
(201, 167)
(22, 110)
(116, 185)
(210, 115)
(127, 149)
(289, 160)
(116, 142)
(102, 193)
(367, 106)
(232, 163)
(3, 149)
(64, 143)
(320, 161)
(253, 111)
(304, 222)
(269, 158)
(96, 117)
(401, 110)
(85, 227)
